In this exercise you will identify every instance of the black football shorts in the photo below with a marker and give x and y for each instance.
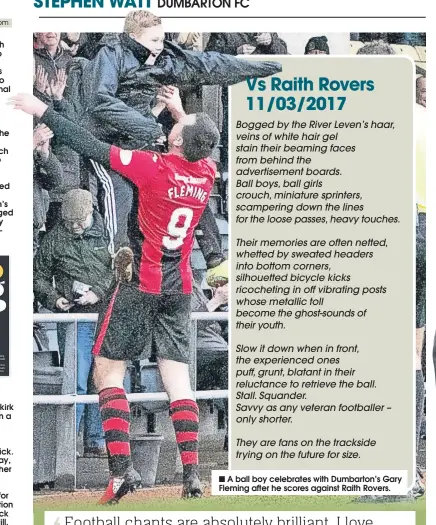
(132, 319)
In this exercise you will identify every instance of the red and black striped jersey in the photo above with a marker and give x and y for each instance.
(172, 195)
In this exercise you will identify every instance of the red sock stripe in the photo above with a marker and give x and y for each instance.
(116, 423)
(99, 342)
(182, 437)
(117, 404)
(184, 415)
(189, 458)
(184, 403)
(112, 391)
(119, 448)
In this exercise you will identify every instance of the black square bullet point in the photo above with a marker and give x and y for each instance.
(222, 479)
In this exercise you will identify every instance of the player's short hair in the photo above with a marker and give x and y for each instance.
(136, 21)
(377, 47)
(200, 138)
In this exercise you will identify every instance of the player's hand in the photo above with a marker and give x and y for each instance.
(222, 294)
(63, 304)
(170, 95)
(160, 105)
(87, 298)
(246, 49)
(264, 39)
(163, 95)
(29, 104)
(41, 135)
(41, 79)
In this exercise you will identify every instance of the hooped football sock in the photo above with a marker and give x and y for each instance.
(115, 416)
(184, 415)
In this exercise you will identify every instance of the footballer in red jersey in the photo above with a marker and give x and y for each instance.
(173, 193)
(173, 190)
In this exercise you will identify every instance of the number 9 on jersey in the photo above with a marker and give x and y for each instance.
(177, 228)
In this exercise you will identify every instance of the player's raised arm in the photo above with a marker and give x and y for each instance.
(80, 140)
(67, 132)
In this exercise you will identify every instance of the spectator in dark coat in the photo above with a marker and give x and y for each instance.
(89, 45)
(74, 255)
(47, 173)
(49, 54)
(247, 44)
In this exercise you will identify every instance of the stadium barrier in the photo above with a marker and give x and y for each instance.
(55, 413)
(93, 318)
(65, 399)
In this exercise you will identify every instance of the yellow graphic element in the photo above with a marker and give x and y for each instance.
(1, 271)
(218, 276)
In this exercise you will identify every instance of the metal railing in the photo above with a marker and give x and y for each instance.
(93, 318)
(56, 413)
(65, 399)
(68, 398)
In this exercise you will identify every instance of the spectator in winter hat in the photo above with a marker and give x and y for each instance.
(377, 47)
(317, 45)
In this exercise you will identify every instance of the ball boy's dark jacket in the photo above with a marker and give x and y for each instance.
(120, 88)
